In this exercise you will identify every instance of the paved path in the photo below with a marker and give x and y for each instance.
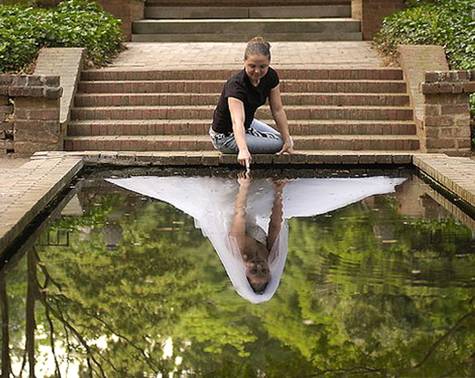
(218, 55)
(457, 174)
(27, 189)
(11, 163)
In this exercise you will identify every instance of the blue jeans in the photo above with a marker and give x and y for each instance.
(260, 139)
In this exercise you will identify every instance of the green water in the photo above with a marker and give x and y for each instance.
(122, 285)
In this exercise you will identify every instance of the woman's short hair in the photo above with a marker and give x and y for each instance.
(257, 45)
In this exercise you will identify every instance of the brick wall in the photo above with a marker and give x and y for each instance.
(372, 12)
(6, 125)
(127, 11)
(29, 114)
(446, 124)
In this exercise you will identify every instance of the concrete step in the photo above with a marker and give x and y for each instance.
(206, 112)
(201, 127)
(216, 86)
(151, 99)
(243, 37)
(224, 74)
(283, 11)
(202, 143)
(250, 26)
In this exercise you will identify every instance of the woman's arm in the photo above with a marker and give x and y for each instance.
(278, 113)
(236, 108)
(277, 214)
(238, 224)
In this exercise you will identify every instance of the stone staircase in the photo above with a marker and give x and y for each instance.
(224, 21)
(171, 110)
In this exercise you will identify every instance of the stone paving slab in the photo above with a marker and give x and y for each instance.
(26, 190)
(457, 174)
(219, 55)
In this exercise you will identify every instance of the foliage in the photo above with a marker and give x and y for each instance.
(73, 23)
(447, 23)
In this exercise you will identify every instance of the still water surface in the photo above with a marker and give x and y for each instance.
(152, 276)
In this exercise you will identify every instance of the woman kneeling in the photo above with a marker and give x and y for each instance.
(234, 128)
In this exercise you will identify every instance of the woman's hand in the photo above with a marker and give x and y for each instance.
(244, 158)
(244, 179)
(279, 184)
(288, 147)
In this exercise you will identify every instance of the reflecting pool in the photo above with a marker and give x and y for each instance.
(274, 275)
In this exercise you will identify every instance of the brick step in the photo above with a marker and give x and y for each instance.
(223, 74)
(234, 37)
(201, 127)
(203, 143)
(216, 86)
(206, 112)
(150, 99)
(216, 12)
(251, 26)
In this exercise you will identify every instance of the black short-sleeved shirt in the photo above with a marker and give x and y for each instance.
(239, 86)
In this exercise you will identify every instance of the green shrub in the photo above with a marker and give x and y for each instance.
(446, 23)
(73, 23)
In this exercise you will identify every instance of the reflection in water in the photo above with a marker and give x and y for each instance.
(247, 221)
(123, 285)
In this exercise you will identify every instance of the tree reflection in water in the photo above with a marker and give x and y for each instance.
(138, 290)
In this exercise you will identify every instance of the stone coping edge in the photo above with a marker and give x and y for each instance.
(212, 158)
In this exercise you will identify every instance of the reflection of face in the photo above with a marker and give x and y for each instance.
(256, 66)
(258, 274)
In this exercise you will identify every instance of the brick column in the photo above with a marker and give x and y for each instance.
(372, 12)
(446, 122)
(6, 125)
(35, 118)
(127, 11)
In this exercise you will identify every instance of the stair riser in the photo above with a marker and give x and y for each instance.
(316, 11)
(216, 87)
(245, 27)
(306, 113)
(235, 37)
(202, 129)
(284, 74)
(300, 99)
(193, 145)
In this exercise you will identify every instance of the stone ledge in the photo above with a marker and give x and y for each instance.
(65, 63)
(213, 158)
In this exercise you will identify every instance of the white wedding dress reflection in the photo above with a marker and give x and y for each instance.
(210, 201)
